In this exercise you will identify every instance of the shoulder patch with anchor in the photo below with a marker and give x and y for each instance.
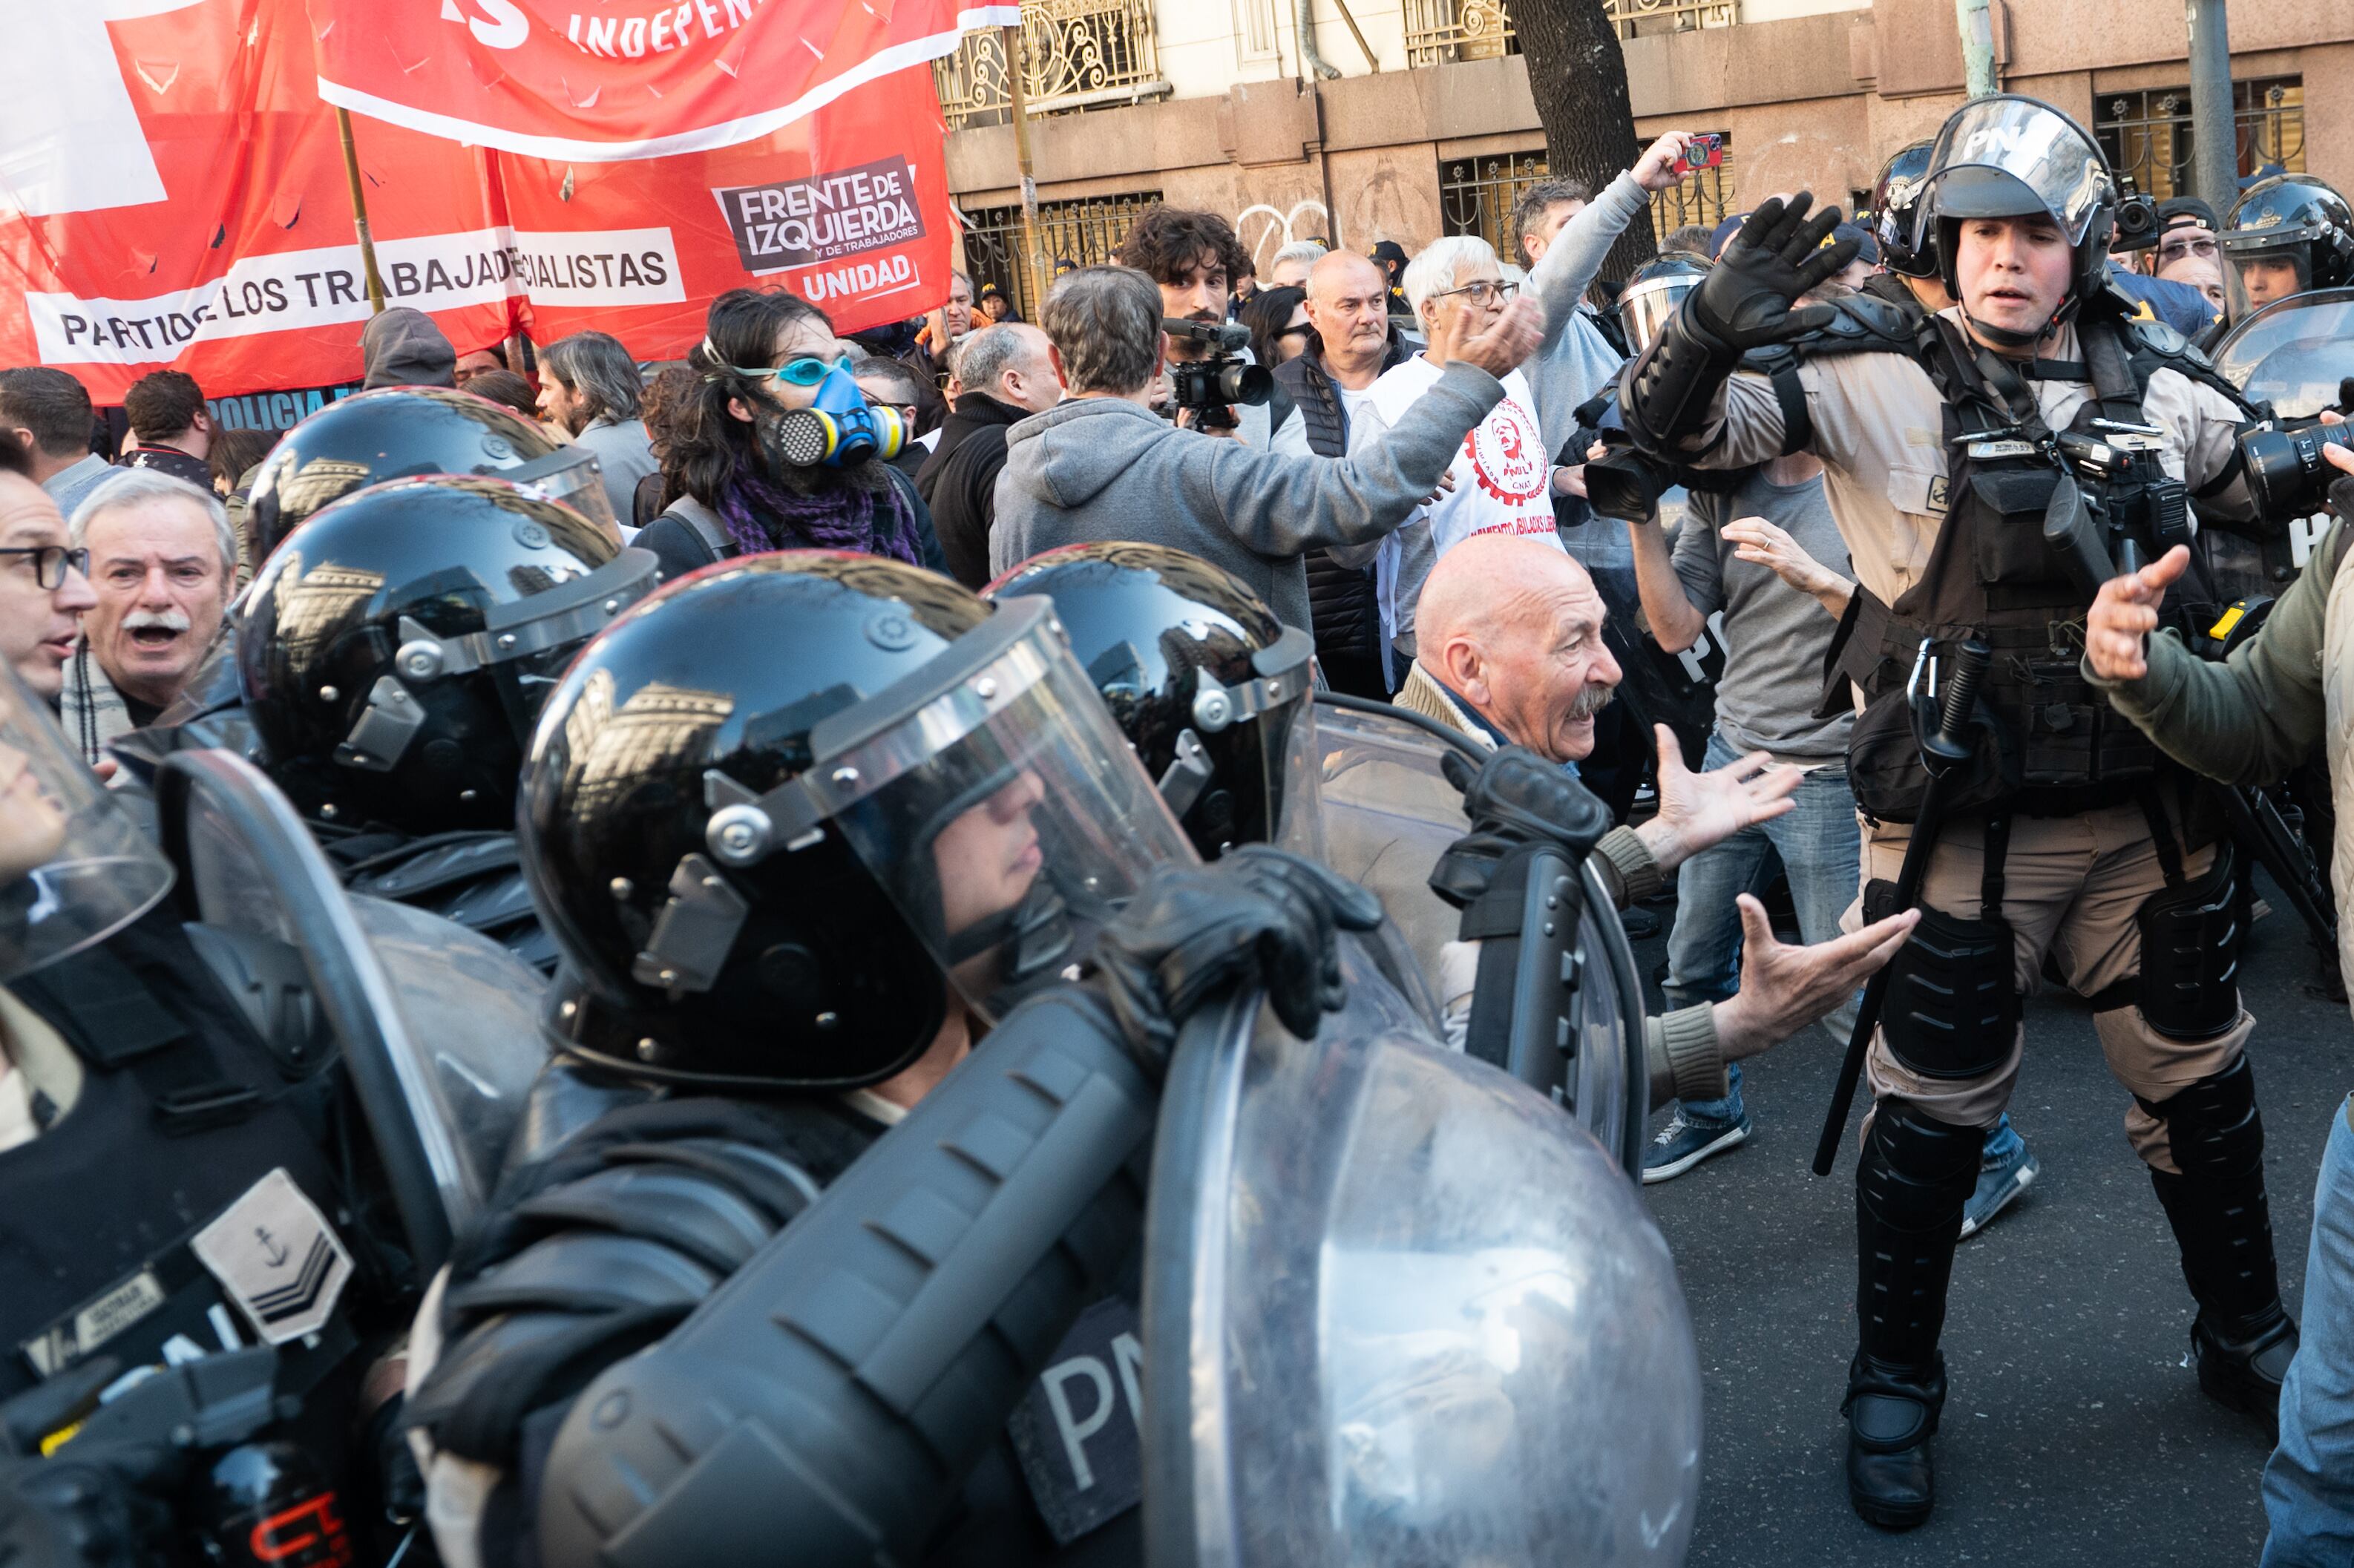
(278, 1258)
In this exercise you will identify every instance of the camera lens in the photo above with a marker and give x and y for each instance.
(1623, 486)
(2286, 473)
(1244, 384)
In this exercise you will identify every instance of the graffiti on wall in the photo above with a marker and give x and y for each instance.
(1265, 229)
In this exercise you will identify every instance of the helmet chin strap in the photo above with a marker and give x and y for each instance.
(2010, 337)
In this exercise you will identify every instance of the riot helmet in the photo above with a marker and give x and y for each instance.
(2290, 221)
(1212, 691)
(396, 647)
(2008, 156)
(1895, 202)
(778, 808)
(1652, 294)
(74, 867)
(396, 432)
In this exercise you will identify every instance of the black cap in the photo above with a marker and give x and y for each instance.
(2175, 211)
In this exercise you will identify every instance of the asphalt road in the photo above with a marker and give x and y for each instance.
(2075, 1432)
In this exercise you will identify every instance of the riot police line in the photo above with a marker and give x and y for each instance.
(631, 1262)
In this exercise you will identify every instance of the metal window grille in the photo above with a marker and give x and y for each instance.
(1075, 54)
(1441, 32)
(2147, 137)
(1476, 196)
(1086, 232)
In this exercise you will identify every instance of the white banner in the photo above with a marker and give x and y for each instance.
(321, 287)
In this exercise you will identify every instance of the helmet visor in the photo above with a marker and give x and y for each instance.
(2037, 146)
(1644, 307)
(74, 867)
(569, 476)
(1001, 807)
(2295, 354)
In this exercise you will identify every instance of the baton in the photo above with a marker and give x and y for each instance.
(1942, 754)
(2256, 822)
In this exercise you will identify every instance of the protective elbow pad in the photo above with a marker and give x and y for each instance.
(2189, 986)
(1674, 385)
(1953, 1001)
(826, 1403)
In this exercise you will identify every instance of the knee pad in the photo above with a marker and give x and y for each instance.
(1917, 1171)
(1953, 999)
(2189, 985)
(2213, 1126)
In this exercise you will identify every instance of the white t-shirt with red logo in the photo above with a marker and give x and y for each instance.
(1503, 479)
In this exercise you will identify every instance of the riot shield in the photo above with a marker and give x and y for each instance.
(1388, 813)
(2293, 354)
(437, 1026)
(1398, 1312)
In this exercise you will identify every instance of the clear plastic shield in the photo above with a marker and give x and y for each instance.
(1645, 306)
(1388, 814)
(1004, 810)
(74, 867)
(2033, 144)
(572, 477)
(1399, 1312)
(437, 1027)
(2293, 354)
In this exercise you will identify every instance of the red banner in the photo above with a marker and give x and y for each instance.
(180, 201)
(593, 81)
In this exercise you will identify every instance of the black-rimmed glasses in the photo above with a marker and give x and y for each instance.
(50, 561)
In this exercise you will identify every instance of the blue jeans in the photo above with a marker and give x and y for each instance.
(1821, 847)
(1818, 845)
(2309, 1480)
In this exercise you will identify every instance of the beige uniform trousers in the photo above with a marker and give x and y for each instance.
(2071, 885)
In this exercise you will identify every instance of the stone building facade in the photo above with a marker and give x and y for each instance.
(1428, 127)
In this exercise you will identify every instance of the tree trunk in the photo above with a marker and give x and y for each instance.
(1578, 77)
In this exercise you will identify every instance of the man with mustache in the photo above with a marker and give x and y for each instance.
(1194, 256)
(1512, 654)
(161, 557)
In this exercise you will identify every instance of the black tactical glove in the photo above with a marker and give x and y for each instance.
(1515, 801)
(1258, 916)
(93, 1503)
(1745, 301)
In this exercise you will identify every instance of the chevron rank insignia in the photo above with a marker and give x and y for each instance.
(277, 1257)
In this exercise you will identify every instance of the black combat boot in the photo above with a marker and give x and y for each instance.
(2243, 1339)
(1911, 1185)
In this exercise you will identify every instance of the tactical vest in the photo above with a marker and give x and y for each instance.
(183, 1110)
(1990, 576)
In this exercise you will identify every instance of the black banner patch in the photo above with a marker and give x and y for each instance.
(1078, 1432)
(826, 217)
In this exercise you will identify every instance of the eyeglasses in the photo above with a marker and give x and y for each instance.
(1483, 293)
(50, 561)
(1300, 331)
(2176, 250)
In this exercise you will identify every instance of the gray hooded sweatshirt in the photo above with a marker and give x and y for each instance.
(1105, 469)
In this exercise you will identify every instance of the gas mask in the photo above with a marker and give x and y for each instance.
(839, 430)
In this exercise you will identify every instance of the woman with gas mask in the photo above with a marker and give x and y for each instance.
(775, 447)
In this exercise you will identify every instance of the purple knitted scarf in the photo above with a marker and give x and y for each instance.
(762, 515)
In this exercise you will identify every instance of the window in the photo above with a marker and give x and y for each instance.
(1475, 195)
(1254, 29)
(1086, 232)
(2147, 137)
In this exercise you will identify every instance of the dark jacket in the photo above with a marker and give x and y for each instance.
(681, 547)
(959, 481)
(1346, 617)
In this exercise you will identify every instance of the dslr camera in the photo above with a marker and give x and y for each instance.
(1211, 384)
(2286, 473)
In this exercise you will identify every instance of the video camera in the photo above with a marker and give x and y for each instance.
(1211, 385)
(2286, 473)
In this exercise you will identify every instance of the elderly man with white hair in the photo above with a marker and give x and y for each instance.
(162, 559)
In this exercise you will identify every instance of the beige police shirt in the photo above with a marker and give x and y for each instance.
(1879, 431)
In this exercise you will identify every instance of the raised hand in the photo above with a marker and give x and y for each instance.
(2125, 611)
(1784, 988)
(1745, 301)
(1498, 348)
(1697, 810)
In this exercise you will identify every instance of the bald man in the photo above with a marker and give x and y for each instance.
(1350, 344)
(1511, 653)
